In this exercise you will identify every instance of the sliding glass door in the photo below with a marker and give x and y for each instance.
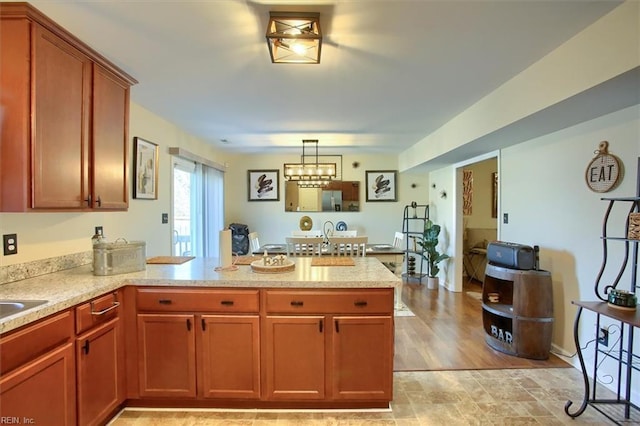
(197, 208)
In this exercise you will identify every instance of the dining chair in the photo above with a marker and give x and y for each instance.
(398, 241)
(304, 246)
(311, 233)
(348, 246)
(254, 242)
(344, 233)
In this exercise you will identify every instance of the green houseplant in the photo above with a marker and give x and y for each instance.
(429, 245)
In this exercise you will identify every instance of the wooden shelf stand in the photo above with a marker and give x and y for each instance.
(413, 223)
(520, 323)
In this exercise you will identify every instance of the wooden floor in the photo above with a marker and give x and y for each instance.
(447, 334)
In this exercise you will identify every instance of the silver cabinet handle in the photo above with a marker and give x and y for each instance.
(105, 310)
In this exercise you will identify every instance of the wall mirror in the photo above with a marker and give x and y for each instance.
(336, 196)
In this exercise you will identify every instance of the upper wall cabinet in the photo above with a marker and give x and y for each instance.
(64, 113)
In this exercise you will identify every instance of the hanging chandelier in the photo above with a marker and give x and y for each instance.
(310, 174)
(294, 37)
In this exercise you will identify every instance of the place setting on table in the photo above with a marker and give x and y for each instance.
(380, 247)
(370, 248)
(271, 249)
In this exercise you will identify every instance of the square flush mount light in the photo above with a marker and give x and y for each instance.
(294, 37)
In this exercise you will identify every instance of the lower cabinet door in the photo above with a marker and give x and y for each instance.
(167, 355)
(41, 392)
(362, 357)
(100, 365)
(229, 356)
(295, 357)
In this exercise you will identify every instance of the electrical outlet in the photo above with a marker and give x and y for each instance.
(603, 336)
(165, 217)
(98, 230)
(505, 218)
(10, 244)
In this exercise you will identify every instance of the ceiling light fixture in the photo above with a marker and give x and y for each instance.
(294, 37)
(310, 174)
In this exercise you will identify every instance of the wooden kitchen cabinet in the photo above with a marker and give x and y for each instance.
(330, 345)
(38, 384)
(66, 119)
(42, 391)
(109, 140)
(62, 81)
(295, 357)
(229, 356)
(350, 191)
(99, 359)
(198, 343)
(362, 355)
(262, 347)
(167, 355)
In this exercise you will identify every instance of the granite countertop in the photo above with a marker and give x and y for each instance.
(70, 287)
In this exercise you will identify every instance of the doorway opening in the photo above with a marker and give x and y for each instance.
(476, 216)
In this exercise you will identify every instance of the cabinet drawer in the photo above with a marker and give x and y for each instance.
(29, 343)
(97, 311)
(189, 300)
(377, 301)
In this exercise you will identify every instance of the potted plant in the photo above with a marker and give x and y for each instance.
(429, 244)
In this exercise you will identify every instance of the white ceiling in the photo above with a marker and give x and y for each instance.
(391, 72)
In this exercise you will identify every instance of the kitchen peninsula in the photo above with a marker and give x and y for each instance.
(189, 336)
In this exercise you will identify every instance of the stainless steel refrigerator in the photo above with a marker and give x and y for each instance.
(331, 201)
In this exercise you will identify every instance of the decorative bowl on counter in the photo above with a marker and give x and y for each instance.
(259, 267)
(622, 299)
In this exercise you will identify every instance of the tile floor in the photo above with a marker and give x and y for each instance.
(473, 397)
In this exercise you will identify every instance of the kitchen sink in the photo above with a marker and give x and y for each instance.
(10, 307)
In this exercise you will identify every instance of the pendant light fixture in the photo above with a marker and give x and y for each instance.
(310, 174)
(294, 37)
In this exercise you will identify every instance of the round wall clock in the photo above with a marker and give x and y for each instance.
(604, 172)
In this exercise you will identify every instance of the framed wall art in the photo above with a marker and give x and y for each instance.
(467, 192)
(382, 185)
(264, 185)
(145, 169)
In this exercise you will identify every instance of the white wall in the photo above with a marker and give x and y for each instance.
(543, 189)
(378, 220)
(442, 210)
(544, 192)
